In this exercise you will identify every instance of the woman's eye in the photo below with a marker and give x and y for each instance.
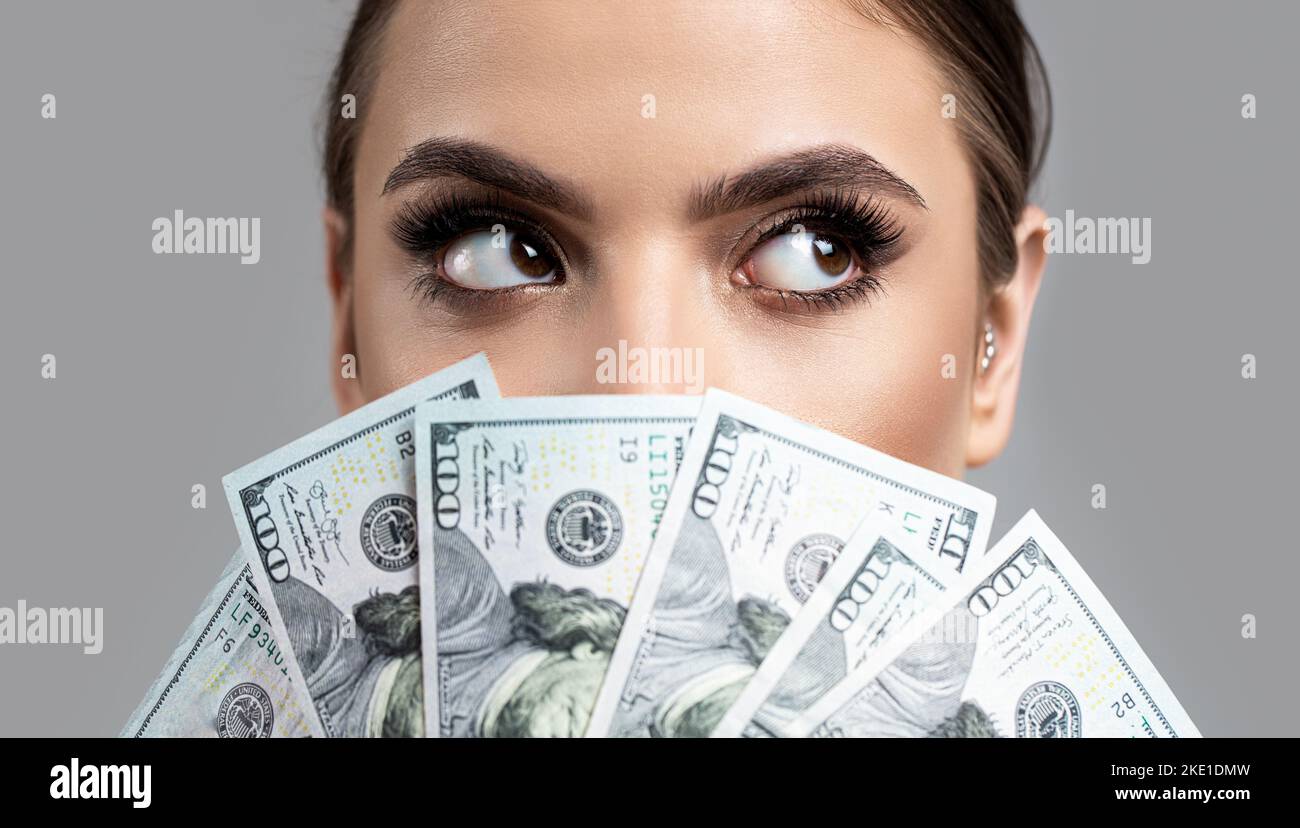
(801, 260)
(498, 258)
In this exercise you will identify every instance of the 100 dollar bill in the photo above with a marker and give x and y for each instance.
(1033, 650)
(539, 515)
(874, 591)
(762, 507)
(330, 520)
(229, 676)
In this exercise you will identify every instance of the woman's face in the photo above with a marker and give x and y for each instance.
(774, 185)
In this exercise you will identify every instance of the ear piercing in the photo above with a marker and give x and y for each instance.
(990, 347)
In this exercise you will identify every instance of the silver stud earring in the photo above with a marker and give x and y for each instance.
(990, 347)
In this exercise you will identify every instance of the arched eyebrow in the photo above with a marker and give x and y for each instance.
(827, 165)
(486, 165)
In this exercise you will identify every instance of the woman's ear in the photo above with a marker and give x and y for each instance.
(345, 376)
(993, 403)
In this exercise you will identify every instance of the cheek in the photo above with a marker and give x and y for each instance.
(885, 390)
(545, 351)
(392, 348)
(397, 341)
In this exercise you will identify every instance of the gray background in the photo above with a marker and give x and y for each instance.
(174, 370)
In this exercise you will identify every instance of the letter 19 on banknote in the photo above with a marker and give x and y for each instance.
(540, 515)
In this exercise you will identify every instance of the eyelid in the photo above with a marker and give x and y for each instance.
(425, 224)
(432, 289)
(423, 228)
(861, 289)
(874, 232)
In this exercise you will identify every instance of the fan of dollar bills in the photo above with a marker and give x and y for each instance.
(445, 562)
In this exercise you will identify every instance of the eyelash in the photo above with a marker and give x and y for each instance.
(424, 228)
(871, 231)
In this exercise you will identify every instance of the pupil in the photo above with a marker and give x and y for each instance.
(528, 258)
(832, 258)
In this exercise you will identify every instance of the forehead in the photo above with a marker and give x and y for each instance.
(650, 97)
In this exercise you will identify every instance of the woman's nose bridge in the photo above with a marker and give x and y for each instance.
(651, 298)
(650, 292)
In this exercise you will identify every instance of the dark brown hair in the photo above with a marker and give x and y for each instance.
(999, 88)
(1003, 105)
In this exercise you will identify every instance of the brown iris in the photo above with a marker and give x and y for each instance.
(833, 257)
(527, 255)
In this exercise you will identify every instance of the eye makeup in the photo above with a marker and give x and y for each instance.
(841, 224)
(867, 231)
(426, 227)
